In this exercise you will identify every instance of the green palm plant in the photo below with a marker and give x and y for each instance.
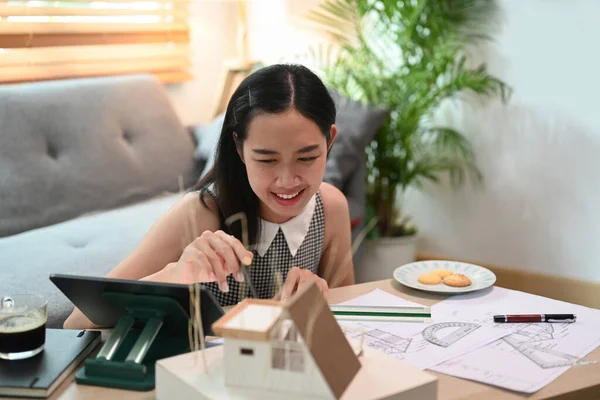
(409, 56)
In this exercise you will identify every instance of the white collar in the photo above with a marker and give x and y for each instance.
(294, 230)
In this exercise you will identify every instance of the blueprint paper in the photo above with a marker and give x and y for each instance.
(406, 341)
(532, 355)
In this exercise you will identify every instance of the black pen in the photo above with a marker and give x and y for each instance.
(248, 279)
(535, 318)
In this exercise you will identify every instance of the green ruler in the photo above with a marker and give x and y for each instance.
(381, 313)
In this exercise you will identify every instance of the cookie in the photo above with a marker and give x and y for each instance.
(442, 273)
(457, 280)
(430, 279)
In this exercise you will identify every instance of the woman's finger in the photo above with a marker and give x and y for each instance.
(199, 266)
(323, 286)
(243, 254)
(305, 277)
(223, 249)
(214, 260)
(190, 268)
(290, 283)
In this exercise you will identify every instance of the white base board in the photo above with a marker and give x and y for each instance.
(380, 377)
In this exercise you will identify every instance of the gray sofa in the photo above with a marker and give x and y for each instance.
(86, 167)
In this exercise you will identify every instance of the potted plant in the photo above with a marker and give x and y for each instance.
(410, 57)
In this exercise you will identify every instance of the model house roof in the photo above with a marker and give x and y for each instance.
(254, 319)
(251, 319)
(324, 338)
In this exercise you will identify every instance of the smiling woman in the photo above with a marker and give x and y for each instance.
(284, 155)
(269, 168)
(43, 40)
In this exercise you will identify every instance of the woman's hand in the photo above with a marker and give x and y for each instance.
(79, 321)
(298, 277)
(209, 258)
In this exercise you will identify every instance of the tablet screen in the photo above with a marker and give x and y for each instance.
(88, 294)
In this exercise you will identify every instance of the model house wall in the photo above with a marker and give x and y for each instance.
(285, 366)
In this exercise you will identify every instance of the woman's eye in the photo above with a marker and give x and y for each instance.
(266, 161)
(306, 159)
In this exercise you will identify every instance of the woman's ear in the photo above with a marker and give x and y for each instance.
(332, 135)
(237, 146)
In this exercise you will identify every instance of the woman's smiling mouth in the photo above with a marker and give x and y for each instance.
(288, 199)
(287, 196)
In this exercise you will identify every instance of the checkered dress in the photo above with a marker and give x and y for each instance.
(278, 258)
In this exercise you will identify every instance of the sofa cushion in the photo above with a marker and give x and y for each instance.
(357, 124)
(72, 146)
(207, 136)
(90, 245)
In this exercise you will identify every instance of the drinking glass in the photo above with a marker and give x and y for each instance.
(22, 326)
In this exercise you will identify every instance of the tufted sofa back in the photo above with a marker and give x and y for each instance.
(74, 146)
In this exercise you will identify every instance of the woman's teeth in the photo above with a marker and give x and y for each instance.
(287, 196)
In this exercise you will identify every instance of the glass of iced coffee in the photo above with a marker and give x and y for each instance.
(22, 326)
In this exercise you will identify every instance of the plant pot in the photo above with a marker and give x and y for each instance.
(380, 257)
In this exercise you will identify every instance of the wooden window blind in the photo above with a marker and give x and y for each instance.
(44, 40)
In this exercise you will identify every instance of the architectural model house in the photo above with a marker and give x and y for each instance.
(295, 347)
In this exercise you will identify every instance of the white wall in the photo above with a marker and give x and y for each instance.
(213, 39)
(540, 208)
(278, 30)
(274, 34)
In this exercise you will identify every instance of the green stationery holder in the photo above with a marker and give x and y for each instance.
(150, 328)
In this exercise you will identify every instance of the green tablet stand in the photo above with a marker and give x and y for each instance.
(150, 328)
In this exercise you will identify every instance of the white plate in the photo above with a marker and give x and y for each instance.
(480, 277)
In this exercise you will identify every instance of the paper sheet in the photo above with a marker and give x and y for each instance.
(533, 355)
(407, 340)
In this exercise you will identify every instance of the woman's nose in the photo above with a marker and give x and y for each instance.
(287, 177)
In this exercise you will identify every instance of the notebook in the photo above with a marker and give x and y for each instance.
(40, 375)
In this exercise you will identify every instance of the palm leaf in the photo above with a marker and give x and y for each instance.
(338, 18)
(448, 140)
(409, 56)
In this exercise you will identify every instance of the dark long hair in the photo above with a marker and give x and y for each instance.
(273, 89)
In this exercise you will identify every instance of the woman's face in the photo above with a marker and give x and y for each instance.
(285, 157)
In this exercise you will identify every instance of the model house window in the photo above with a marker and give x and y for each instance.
(246, 352)
(42, 40)
(295, 357)
(287, 355)
(278, 355)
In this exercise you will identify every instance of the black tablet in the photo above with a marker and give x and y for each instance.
(88, 294)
